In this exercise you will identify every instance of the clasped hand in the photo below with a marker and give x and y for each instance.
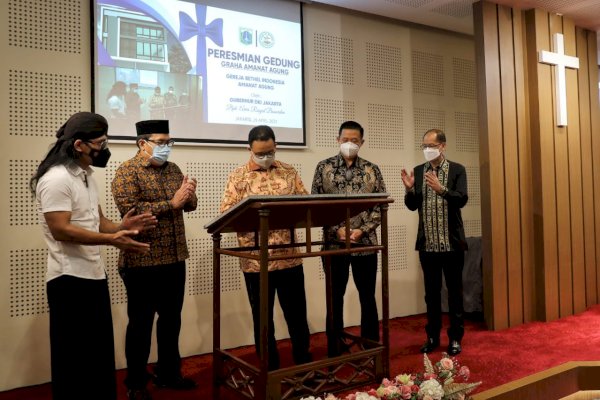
(355, 234)
(186, 192)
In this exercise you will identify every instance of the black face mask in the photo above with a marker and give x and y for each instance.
(100, 158)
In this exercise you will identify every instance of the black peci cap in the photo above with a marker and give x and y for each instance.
(151, 126)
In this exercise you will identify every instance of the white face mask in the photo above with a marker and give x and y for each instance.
(431, 153)
(349, 149)
(264, 162)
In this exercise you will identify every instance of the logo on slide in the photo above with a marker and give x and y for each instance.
(266, 39)
(246, 36)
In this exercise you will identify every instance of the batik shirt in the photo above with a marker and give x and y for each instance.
(149, 189)
(435, 211)
(333, 176)
(251, 180)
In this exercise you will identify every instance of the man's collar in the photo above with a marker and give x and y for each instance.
(76, 170)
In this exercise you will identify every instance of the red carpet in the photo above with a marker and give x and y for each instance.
(494, 358)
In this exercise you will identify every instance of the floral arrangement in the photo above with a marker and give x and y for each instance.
(444, 380)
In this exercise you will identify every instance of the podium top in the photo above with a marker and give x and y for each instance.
(286, 212)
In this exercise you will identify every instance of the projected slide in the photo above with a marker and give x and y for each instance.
(212, 72)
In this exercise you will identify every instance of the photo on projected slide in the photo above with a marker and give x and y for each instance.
(212, 72)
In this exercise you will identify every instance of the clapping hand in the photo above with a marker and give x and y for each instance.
(185, 192)
(408, 180)
(140, 222)
(432, 181)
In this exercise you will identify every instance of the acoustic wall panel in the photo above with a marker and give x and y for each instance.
(424, 120)
(472, 227)
(45, 25)
(212, 178)
(399, 247)
(329, 114)
(473, 186)
(21, 200)
(467, 131)
(27, 280)
(118, 293)
(428, 73)
(386, 127)
(39, 102)
(464, 84)
(410, 3)
(455, 8)
(333, 59)
(393, 184)
(384, 66)
(200, 267)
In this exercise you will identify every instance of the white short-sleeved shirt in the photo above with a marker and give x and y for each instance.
(70, 188)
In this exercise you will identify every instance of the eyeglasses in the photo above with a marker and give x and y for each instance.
(262, 156)
(353, 140)
(103, 144)
(430, 145)
(161, 143)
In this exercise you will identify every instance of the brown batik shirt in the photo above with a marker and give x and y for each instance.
(249, 180)
(138, 184)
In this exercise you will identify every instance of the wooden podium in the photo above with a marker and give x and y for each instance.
(367, 363)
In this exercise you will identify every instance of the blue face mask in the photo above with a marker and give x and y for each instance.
(160, 154)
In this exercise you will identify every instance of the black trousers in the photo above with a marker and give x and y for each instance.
(81, 339)
(451, 265)
(153, 290)
(364, 273)
(289, 285)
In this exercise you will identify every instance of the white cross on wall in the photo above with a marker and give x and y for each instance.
(562, 61)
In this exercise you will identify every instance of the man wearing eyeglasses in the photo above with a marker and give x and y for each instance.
(345, 173)
(155, 281)
(438, 189)
(263, 175)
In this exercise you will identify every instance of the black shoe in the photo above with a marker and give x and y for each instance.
(138, 394)
(430, 345)
(454, 348)
(178, 383)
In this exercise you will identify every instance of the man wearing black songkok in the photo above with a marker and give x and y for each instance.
(155, 281)
(81, 334)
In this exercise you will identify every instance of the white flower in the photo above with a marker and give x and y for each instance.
(431, 388)
(310, 398)
(364, 396)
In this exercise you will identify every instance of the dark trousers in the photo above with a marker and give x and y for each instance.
(153, 290)
(81, 339)
(364, 273)
(289, 285)
(451, 265)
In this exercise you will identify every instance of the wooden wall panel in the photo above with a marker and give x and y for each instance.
(575, 181)
(491, 166)
(594, 115)
(510, 150)
(540, 182)
(587, 171)
(525, 176)
(561, 172)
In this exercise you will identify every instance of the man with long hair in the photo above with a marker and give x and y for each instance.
(81, 333)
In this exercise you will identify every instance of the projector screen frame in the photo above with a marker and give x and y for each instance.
(197, 141)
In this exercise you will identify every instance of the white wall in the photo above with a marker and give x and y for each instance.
(396, 79)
